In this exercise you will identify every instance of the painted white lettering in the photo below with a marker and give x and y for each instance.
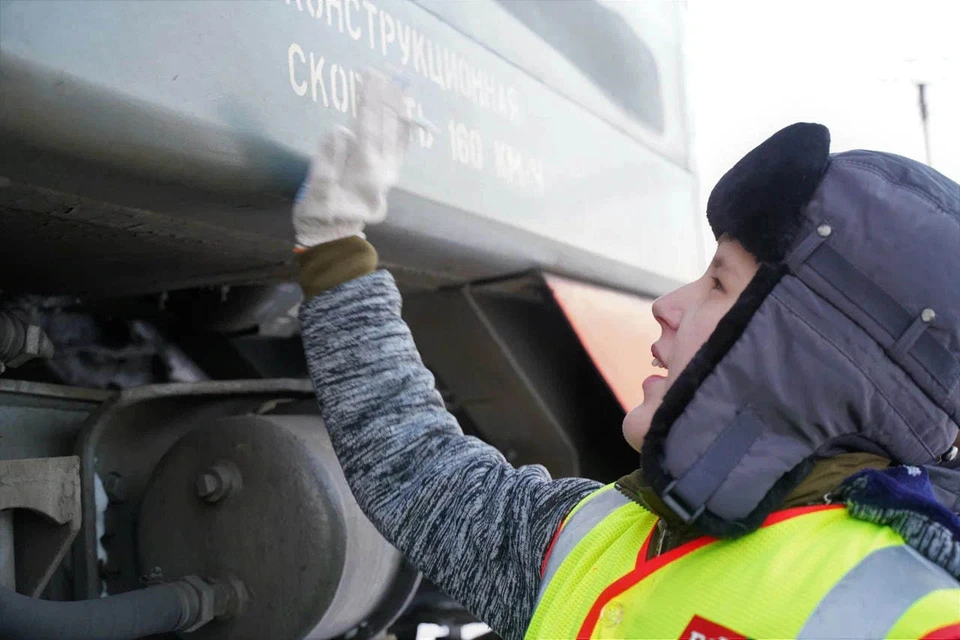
(341, 82)
(446, 68)
(515, 169)
(419, 57)
(300, 88)
(450, 76)
(386, 35)
(489, 90)
(513, 100)
(476, 150)
(309, 6)
(696, 635)
(403, 37)
(354, 32)
(466, 145)
(316, 79)
(411, 106)
(426, 137)
(478, 88)
(371, 10)
(415, 112)
(433, 64)
(465, 76)
(462, 137)
(334, 4)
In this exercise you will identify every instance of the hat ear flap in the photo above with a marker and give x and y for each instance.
(760, 201)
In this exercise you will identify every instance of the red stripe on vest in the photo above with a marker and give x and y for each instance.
(788, 514)
(644, 569)
(949, 632)
(642, 556)
(639, 573)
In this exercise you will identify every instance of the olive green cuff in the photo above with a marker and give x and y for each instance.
(330, 264)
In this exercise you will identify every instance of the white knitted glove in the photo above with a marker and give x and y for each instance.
(347, 186)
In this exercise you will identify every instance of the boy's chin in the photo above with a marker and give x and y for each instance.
(636, 424)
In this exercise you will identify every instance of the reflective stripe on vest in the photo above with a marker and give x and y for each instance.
(576, 527)
(895, 578)
(809, 572)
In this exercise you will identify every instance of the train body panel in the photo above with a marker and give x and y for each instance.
(153, 375)
(545, 155)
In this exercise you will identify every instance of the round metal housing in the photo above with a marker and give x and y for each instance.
(313, 565)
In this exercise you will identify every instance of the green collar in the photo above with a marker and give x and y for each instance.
(826, 475)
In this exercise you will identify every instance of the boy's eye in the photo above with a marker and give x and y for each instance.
(716, 283)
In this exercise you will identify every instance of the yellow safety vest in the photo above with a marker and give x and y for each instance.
(809, 572)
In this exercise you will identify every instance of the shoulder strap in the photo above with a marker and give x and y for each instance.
(585, 517)
(874, 594)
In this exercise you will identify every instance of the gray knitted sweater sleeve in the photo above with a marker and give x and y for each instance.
(472, 523)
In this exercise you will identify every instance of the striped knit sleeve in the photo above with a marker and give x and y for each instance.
(472, 523)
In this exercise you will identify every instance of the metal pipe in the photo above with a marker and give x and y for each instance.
(21, 341)
(158, 609)
(8, 572)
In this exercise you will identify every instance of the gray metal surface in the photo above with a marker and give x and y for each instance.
(123, 250)
(40, 420)
(612, 58)
(182, 605)
(48, 487)
(21, 341)
(374, 574)
(126, 438)
(281, 534)
(517, 370)
(494, 390)
(8, 565)
(219, 481)
(291, 533)
(227, 106)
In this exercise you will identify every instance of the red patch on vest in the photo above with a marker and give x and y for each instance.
(703, 629)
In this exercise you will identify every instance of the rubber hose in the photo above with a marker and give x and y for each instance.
(157, 609)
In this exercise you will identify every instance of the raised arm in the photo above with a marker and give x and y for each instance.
(472, 523)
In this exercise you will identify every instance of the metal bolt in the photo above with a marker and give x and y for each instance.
(928, 315)
(824, 230)
(219, 481)
(208, 484)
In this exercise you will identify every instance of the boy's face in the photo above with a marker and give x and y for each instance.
(687, 317)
